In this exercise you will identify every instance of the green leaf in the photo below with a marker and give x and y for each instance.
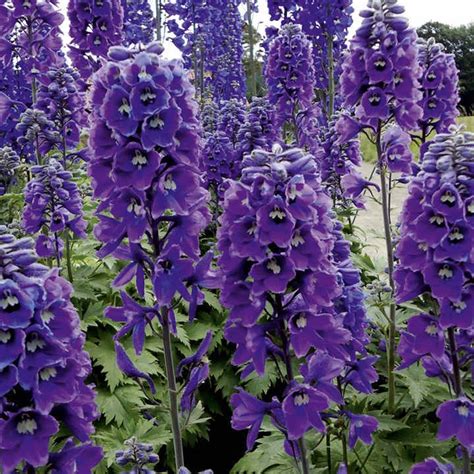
(118, 406)
(418, 384)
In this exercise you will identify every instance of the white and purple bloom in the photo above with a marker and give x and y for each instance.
(41, 357)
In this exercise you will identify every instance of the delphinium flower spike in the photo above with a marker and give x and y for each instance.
(9, 161)
(436, 263)
(145, 145)
(138, 22)
(43, 367)
(53, 207)
(94, 26)
(289, 72)
(380, 81)
(440, 87)
(281, 285)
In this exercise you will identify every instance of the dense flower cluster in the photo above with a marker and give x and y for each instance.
(31, 43)
(42, 366)
(338, 164)
(209, 117)
(138, 22)
(225, 71)
(440, 87)
(280, 9)
(381, 73)
(231, 117)
(289, 72)
(94, 26)
(38, 134)
(219, 159)
(52, 205)
(9, 161)
(258, 130)
(323, 21)
(209, 34)
(281, 284)
(137, 456)
(60, 99)
(145, 142)
(30, 32)
(435, 256)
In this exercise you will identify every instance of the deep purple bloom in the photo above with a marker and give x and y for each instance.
(457, 419)
(361, 427)
(301, 409)
(25, 436)
(431, 465)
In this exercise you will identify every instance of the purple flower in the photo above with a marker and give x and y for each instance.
(429, 337)
(301, 409)
(457, 419)
(431, 465)
(25, 437)
(361, 427)
(248, 413)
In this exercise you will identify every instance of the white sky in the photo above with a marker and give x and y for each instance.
(452, 12)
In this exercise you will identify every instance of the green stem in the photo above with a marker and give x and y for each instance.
(459, 392)
(172, 391)
(331, 81)
(390, 261)
(68, 257)
(158, 19)
(253, 79)
(328, 453)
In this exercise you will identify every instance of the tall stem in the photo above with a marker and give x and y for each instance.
(290, 377)
(68, 256)
(172, 391)
(253, 79)
(158, 19)
(390, 260)
(459, 392)
(331, 82)
(328, 453)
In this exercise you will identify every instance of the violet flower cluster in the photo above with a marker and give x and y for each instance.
(258, 130)
(94, 26)
(436, 258)
(30, 32)
(43, 367)
(323, 21)
(381, 74)
(286, 303)
(9, 161)
(440, 87)
(290, 75)
(137, 456)
(145, 143)
(53, 205)
(209, 35)
(139, 24)
(63, 104)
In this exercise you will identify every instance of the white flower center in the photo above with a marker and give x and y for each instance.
(252, 229)
(143, 75)
(459, 306)
(297, 239)
(48, 373)
(463, 410)
(277, 214)
(139, 159)
(456, 235)
(8, 300)
(147, 96)
(431, 329)
(273, 266)
(34, 344)
(301, 399)
(301, 322)
(169, 184)
(5, 336)
(47, 316)
(438, 220)
(445, 273)
(156, 122)
(135, 208)
(423, 247)
(448, 197)
(125, 108)
(27, 426)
